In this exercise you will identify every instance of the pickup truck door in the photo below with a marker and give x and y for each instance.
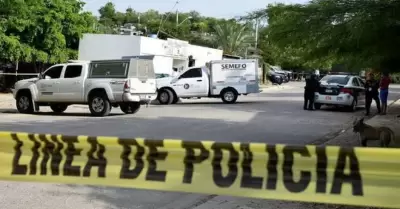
(71, 85)
(48, 85)
(191, 83)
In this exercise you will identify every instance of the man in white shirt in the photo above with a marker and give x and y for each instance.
(174, 72)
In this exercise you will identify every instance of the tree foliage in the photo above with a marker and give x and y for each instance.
(357, 33)
(42, 31)
(228, 35)
(232, 37)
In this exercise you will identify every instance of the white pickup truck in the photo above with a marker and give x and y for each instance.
(226, 79)
(101, 84)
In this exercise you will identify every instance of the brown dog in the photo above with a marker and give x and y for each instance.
(369, 133)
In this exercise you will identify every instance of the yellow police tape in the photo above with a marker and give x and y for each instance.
(359, 176)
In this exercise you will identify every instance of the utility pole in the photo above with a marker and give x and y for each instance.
(177, 18)
(257, 22)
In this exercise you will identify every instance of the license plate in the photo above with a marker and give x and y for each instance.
(328, 98)
(328, 91)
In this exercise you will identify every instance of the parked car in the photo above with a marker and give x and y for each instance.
(278, 70)
(275, 78)
(289, 74)
(341, 91)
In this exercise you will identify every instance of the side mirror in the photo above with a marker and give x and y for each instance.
(47, 77)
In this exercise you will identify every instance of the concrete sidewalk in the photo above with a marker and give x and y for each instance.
(7, 101)
(349, 138)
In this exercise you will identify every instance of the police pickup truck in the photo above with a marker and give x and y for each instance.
(102, 84)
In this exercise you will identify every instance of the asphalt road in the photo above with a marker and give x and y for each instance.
(274, 116)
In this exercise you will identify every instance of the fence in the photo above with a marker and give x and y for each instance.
(7, 80)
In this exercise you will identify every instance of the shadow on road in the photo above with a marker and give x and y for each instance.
(8, 110)
(70, 114)
(188, 102)
(125, 198)
(73, 114)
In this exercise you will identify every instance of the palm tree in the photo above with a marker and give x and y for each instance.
(232, 37)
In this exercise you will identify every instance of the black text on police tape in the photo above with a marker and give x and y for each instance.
(51, 151)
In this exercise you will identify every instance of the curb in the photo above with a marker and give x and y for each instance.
(335, 134)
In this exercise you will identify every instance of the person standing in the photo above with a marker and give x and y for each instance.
(312, 85)
(371, 93)
(384, 91)
(174, 72)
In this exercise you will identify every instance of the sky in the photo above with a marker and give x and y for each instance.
(212, 8)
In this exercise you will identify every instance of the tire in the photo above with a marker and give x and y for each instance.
(130, 108)
(280, 81)
(317, 106)
(229, 96)
(165, 97)
(353, 106)
(175, 100)
(58, 108)
(24, 103)
(99, 105)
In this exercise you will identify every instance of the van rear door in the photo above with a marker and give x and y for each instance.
(141, 76)
(239, 74)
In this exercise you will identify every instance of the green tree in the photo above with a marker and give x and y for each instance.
(232, 37)
(358, 33)
(108, 20)
(39, 31)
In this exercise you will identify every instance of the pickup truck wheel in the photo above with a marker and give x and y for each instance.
(175, 100)
(130, 108)
(165, 96)
(58, 108)
(24, 103)
(229, 96)
(99, 105)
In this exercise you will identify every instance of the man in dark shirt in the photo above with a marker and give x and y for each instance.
(312, 85)
(191, 61)
(371, 93)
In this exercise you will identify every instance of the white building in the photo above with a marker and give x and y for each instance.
(171, 53)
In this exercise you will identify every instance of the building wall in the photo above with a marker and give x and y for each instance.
(163, 64)
(152, 46)
(204, 54)
(105, 46)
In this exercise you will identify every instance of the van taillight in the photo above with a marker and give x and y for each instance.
(346, 91)
(126, 85)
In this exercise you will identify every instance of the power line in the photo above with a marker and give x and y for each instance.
(166, 17)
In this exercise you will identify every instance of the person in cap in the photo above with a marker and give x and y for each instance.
(371, 93)
(312, 85)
